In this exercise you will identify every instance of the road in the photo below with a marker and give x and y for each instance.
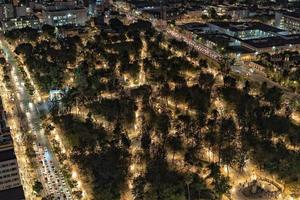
(48, 167)
(195, 45)
(257, 76)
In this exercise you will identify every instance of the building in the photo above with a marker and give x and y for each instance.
(288, 20)
(10, 183)
(66, 16)
(242, 40)
(21, 11)
(97, 7)
(164, 12)
(246, 30)
(195, 27)
(273, 44)
(60, 5)
(285, 2)
(6, 11)
(238, 12)
(20, 22)
(9, 173)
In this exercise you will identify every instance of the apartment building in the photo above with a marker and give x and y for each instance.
(20, 22)
(65, 16)
(288, 20)
(10, 183)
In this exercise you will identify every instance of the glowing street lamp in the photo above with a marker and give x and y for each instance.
(74, 174)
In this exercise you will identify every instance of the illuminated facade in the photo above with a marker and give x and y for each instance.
(288, 20)
(246, 30)
(76, 16)
(20, 22)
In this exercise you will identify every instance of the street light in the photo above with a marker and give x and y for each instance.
(31, 106)
(74, 174)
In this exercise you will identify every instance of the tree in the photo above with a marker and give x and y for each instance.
(164, 183)
(202, 63)
(24, 48)
(119, 136)
(212, 13)
(89, 120)
(222, 186)
(116, 25)
(206, 80)
(2, 60)
(29, 33)
(191, 157)
(194, 54)
(263, 88)
(227, 142)
(162, 125)
(48, 29)
(165, 91)
(226, 63)
(273, 95)
(199, 189)
(220, 182)
(229, 82)
(175, 144)
(188, 179)
(246, 87)
(48, 128)
(215, 171)
(37, 187)
(204, 17)
(138, 188)
(145, 141)
(141, 25)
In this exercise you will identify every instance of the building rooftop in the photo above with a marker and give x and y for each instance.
(243, 26)
(274, 41)
(239, 49)
(217, 38)
(64, 9)
(292, 14)
(193, 26)
(12, 194)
